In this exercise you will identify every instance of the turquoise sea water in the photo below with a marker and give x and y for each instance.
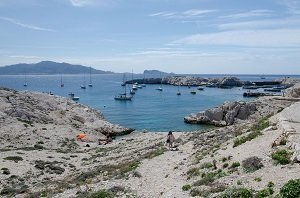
(149, 109)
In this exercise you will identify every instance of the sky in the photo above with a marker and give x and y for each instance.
(180, 36)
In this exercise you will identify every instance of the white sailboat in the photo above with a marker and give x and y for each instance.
(178, 92)
(25, 80)
(82, 86)
(123, 96)
(61, 82)
(90, 84)
(134, 85)
(160, 87)
(144, 85)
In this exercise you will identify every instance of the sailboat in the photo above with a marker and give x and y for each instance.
(61, 83)
(123, 83)
(144, 85)
(82, 86)
(123, 96)
(193, 91)
(178, 92)
(134, 85)
(90, 84)
(160, 87)
(25, 80)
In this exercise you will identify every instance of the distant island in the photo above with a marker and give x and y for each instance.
(48, 68)
(157, 72)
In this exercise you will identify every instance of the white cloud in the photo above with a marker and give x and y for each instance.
(24, 56)
(196, 12)
(28, 26)
(193, 13)
(252, 13)
(261, 24)
(292, 5)
(247, 38)
(82, 3)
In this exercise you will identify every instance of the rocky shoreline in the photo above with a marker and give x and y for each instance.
(222, 82)
(42, 158)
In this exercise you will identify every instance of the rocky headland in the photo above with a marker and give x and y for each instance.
(222, 82)
(256, 155)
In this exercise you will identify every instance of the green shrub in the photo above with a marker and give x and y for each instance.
(266, 192)
(225, 165)
(101, 194)
(237, 193)
(186, 187)
(155, 153)
(243, 139)
(235, 164)
(224, 159)
(271, 184)
(209, 178)
(14, 158)
(206, 165)
(193, 172)
(282, 156)
(261, 124)
(291, 189)
(258, 179)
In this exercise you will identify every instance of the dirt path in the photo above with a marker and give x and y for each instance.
(163, 176)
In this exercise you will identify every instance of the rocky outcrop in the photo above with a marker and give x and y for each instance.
(293, 92)
(223, 115)
(223, 82)
(184, 80)
(48, 117)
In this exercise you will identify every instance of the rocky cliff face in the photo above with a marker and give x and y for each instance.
(222, 115)
(25, 116)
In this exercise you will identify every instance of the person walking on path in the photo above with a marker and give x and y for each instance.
(170, 140)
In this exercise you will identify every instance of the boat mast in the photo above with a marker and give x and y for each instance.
(90, 75)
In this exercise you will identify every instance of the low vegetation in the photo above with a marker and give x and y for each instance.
(235, 165)
(14, 158)
(256, 131)
(243, 139)
(101, 194)
(155, 153)
(192, 172)
(237, 193)
(291, 189)
(210, 177)
(206, 165)
(186, 187)
(282, 156)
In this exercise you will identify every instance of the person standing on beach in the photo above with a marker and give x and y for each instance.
(170, 139)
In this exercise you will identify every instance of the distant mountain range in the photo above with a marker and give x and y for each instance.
(48, 67)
